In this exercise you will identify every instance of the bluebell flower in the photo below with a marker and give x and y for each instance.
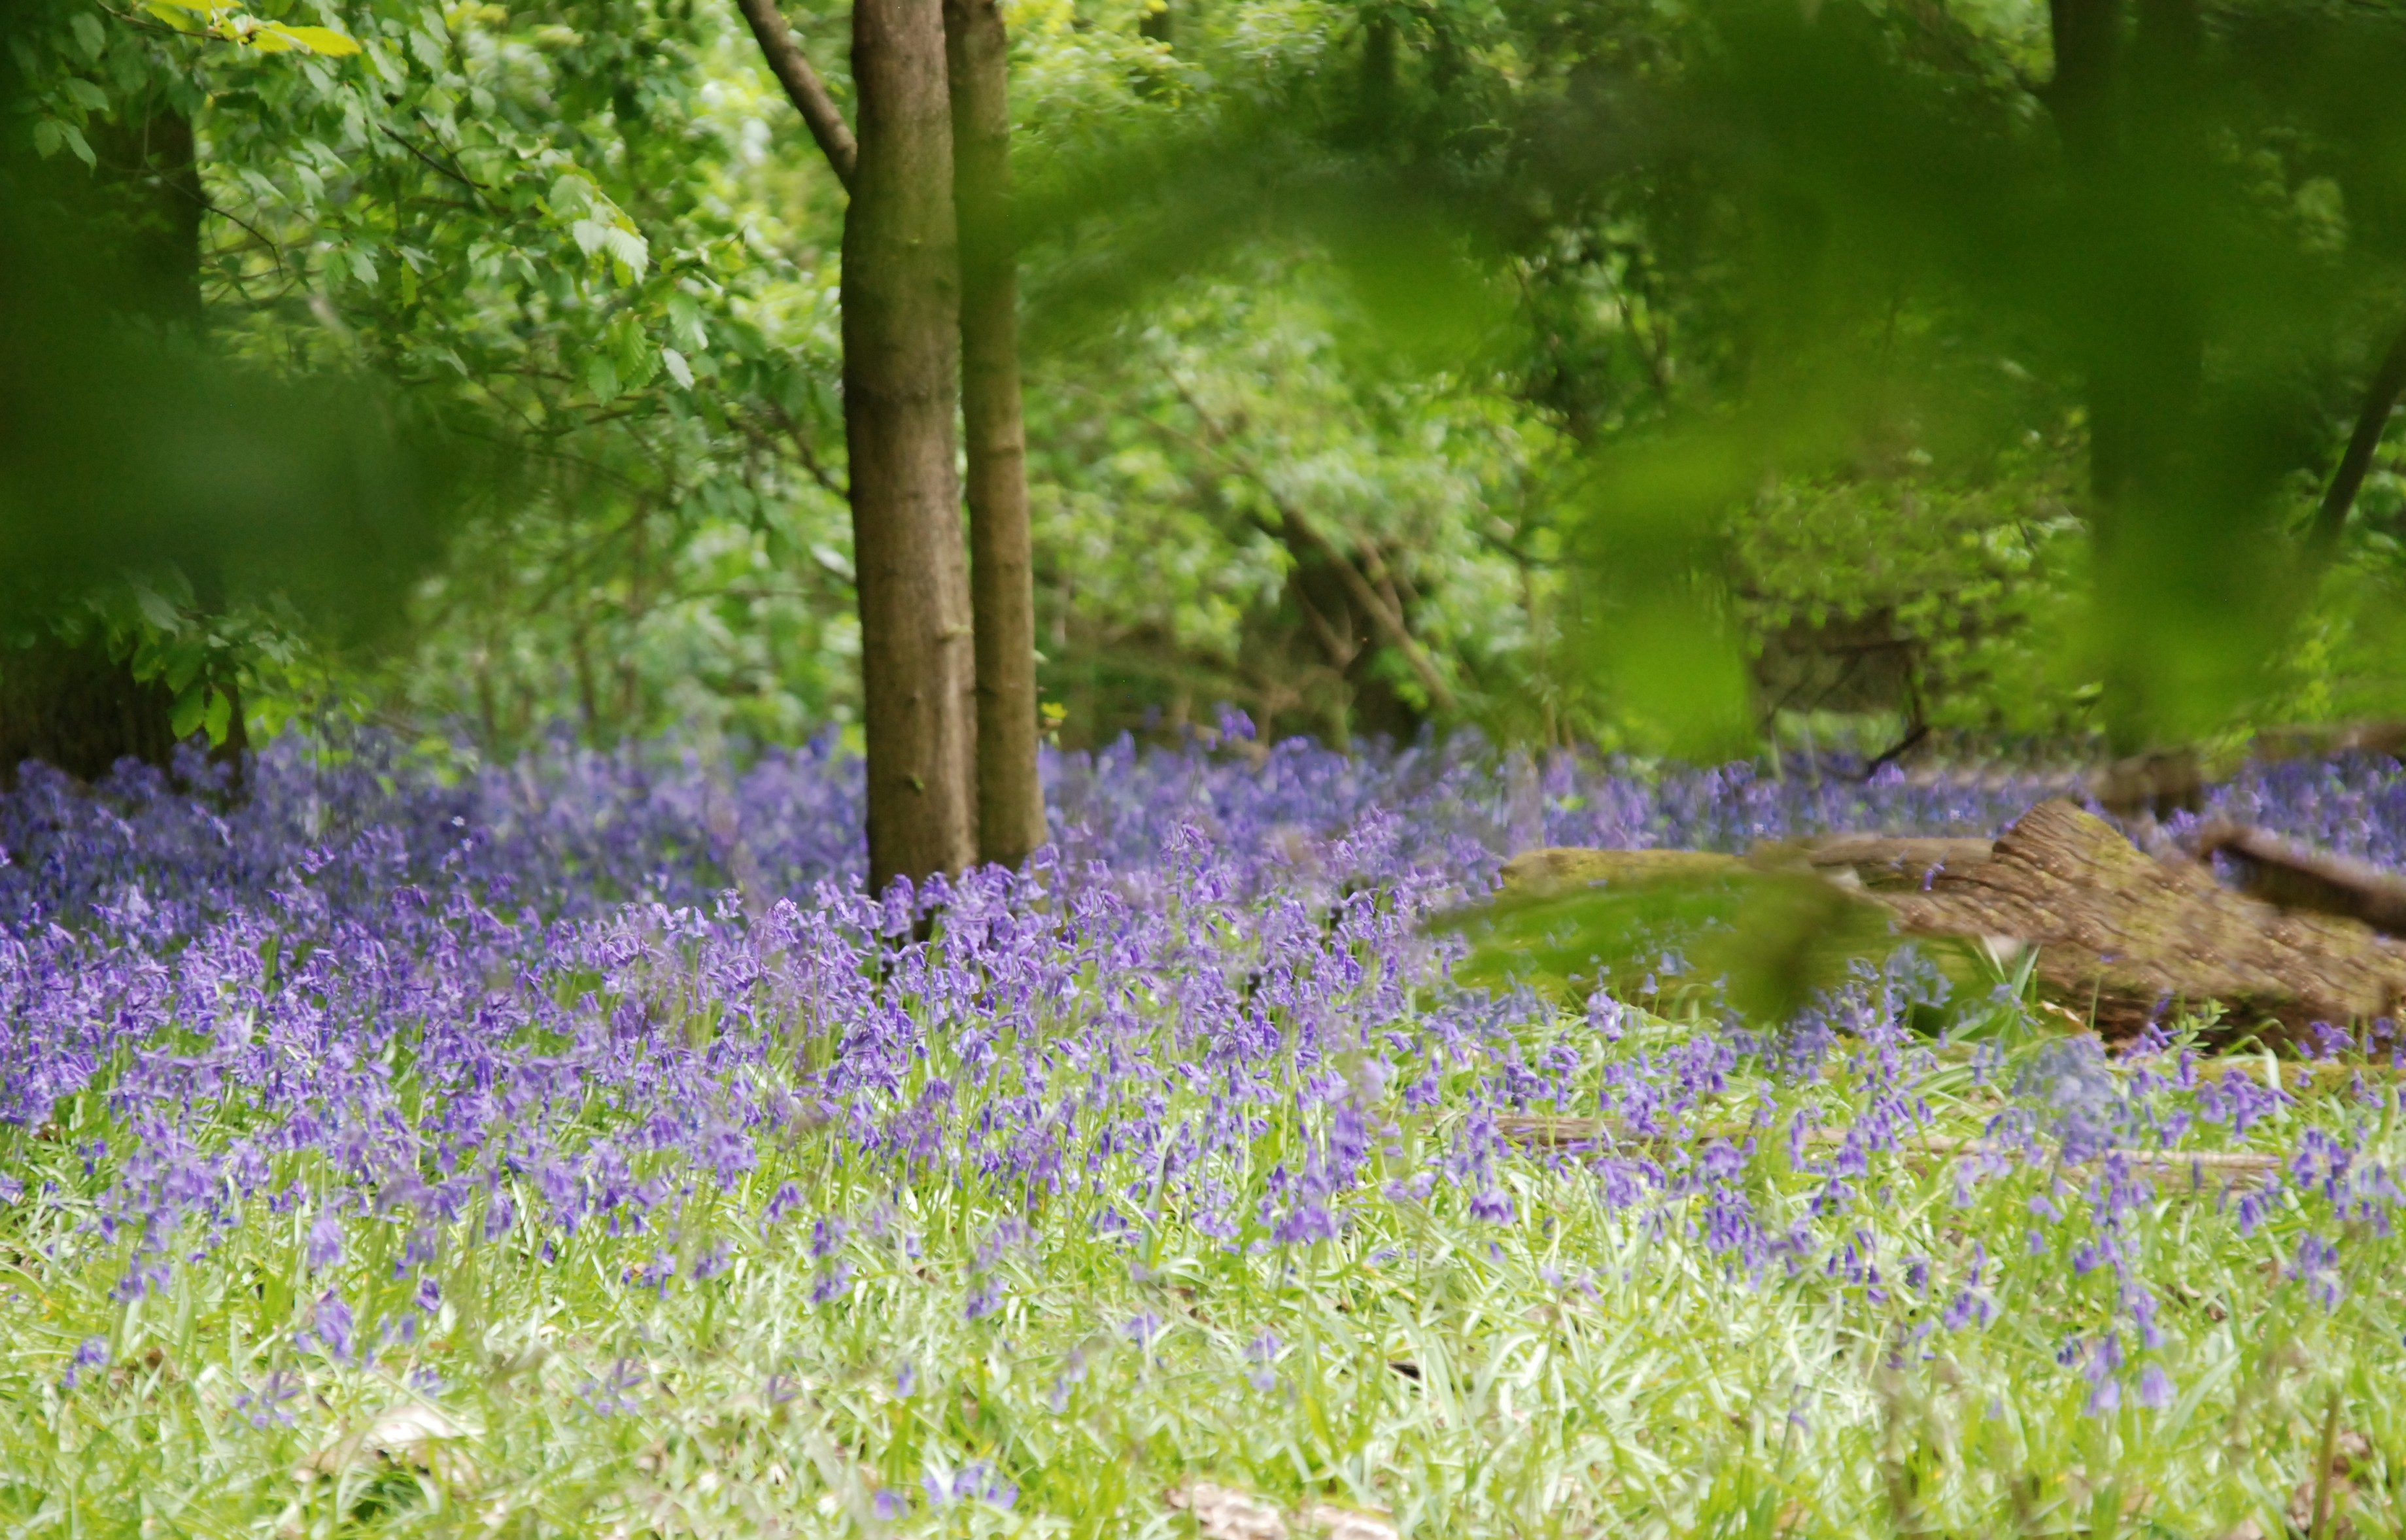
(325, 1247)
(91, 1354)
(832, 1284)
(983, 1300)
(332, 1325)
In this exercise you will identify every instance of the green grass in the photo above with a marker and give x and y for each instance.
(1586, 1369)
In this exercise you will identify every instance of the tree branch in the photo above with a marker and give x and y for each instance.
(2380, 401)
(803, 87)
(1303, 530)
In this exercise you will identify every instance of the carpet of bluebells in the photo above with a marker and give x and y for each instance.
(573, 1147)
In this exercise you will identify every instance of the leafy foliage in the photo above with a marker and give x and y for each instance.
(1637, 372)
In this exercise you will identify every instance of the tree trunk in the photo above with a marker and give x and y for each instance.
(2122, 938)
(1010, 798)
(138, 232)
(2120, 102)
(900, 299)
(2371, 422)
(76, 709)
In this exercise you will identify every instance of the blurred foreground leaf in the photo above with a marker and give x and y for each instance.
(1691, 923)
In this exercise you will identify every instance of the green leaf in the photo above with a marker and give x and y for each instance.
(75, 140)
(48, 138)
(630, 251)
(324, 40)
(685, 321)
(192, 709)
(601, 377)
(590, 235)
(678, 369)
(85, 93)
(631, 349)
(157, 609)
(88, 34)
(219, 718)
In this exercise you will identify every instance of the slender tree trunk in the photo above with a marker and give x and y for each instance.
(1010, 798)
(2088, 37)
(2371, 422)
(901, 318)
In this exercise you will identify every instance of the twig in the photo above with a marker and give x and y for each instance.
(438, 167)
(1562, 1133)
(807, 455)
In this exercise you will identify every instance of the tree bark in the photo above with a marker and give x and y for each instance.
(2122, 936)
(900, 299)
(136, 229)
(1010, 798)
(810, 97)
(2087, 38)
(79, 709)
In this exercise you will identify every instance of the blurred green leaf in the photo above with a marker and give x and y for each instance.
(1767, 939)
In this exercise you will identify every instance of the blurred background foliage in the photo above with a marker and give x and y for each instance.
(1883, 376)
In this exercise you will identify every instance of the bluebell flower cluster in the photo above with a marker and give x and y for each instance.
(407, 1010)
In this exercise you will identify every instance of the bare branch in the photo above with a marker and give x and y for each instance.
(803, 87)
(2380, 401)
(1389, 619)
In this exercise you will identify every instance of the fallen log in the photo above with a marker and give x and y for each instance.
(1541, 1132)
(1559, 870)
(2297, 876)
(1883, 862)
(2122, 938)
(1872, 860)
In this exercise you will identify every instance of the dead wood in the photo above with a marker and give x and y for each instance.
(1537, 1131)
(2295, 876)
(1543, 873)
(1875, 861)
(2154, 785)
(2121, 936)
(1881, 861)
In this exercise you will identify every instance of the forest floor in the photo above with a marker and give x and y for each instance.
(569, 1146)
